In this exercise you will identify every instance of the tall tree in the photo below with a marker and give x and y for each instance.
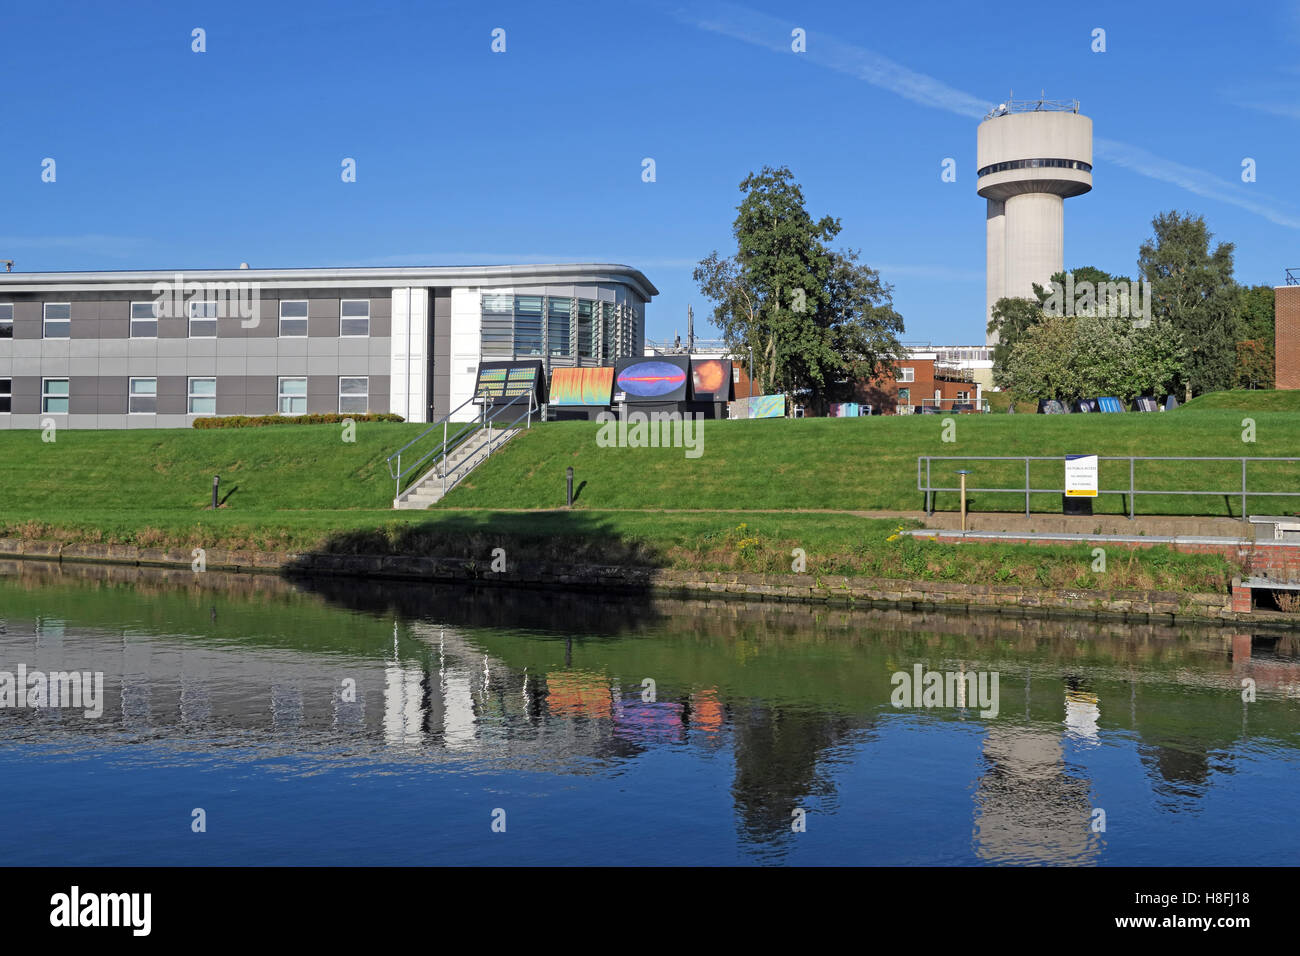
(1193, 288)
(811, 316)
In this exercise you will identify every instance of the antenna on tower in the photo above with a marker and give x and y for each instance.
(690, 329)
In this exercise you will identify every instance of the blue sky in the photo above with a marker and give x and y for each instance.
(171, 159)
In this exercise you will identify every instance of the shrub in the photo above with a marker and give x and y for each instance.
(1288, 601)
(257, 421)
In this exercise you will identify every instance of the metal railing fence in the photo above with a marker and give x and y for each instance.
(925, 481)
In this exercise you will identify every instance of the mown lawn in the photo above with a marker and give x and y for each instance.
(302, 487)
(870, 464)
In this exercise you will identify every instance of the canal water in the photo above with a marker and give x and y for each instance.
(253, 720)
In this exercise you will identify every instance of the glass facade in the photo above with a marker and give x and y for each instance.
(563, 328)
(558, 326)
(528, 326)
(584, 328)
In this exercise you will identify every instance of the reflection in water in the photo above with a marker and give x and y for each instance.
(1031, 807)
(654, 725)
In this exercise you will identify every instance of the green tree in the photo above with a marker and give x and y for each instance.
(1255, 364)
(811, 316)
(1193, 288)
(1041, 364)
(1114, 356)
(1012, 317)
(1089, 356)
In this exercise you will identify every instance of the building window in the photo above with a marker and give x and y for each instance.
(58, 320)
(293, 318)
(144, 320)
(907, 374)
(354, 394)
(528, 325)
(584, 328)
(54, 396)
(354, 317)
(963, 396)
(6, 320)
(293, 396)
(203, 320)
(558, 315)
(143, 397)
(203, 396)
(498, 315)
(6, 395)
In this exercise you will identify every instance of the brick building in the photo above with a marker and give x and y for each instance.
(1286, 313)
(923, 379)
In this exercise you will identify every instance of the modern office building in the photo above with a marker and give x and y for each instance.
(158, 349)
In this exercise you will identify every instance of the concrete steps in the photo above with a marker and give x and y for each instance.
(428, 490)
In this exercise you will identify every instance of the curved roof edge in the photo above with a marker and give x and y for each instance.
(395, 276)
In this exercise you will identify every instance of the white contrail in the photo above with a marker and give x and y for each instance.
(1193, 180)
(759, 29)
(770, 33)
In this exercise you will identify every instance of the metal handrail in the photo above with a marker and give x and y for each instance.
(930, 489)
(450, 442)
(487, 422)
(399, 473)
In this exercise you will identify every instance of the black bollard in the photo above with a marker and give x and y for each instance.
(568, 472)
(216, 485)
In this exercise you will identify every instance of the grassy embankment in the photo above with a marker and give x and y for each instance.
(297, 487)
(1248, 400)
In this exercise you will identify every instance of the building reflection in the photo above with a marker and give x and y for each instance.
(446, 687)
(1029, 807)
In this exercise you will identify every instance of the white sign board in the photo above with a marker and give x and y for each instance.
(1081, 476)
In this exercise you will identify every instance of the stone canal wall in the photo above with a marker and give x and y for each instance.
(1166, 607)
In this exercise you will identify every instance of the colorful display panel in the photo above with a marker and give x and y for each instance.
(711, 379)
(501, 381)
(581, 386)
(660, 379)
(759, 406)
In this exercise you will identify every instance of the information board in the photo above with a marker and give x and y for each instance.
(1081, 476)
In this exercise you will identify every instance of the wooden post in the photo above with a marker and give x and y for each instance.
(963, 474)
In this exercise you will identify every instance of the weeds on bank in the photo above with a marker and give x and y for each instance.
(748, 546)
(899, 556)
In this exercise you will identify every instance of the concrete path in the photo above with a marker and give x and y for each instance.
(1163, 525)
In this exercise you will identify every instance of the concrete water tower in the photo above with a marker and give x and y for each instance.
(1031, 155)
